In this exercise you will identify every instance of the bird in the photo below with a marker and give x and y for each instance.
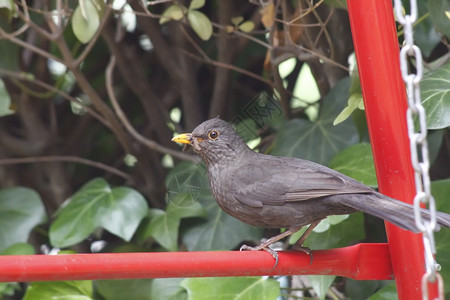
(285, 192)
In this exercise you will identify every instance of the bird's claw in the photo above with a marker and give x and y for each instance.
(265, 248)
(306, 250)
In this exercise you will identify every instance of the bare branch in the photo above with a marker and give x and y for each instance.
(58, 158)
(120, 114)
(23, 76)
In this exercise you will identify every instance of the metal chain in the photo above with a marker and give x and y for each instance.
(418, 141)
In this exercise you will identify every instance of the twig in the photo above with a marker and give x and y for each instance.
(29, 46)
(122, 117)
(23, 76)
(57, 158)
(227, 66)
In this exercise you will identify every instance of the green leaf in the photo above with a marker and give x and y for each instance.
(363, 289)
(173, 12)
(435, 90)
(425, 35)
(247, 26)
(9, 289)
(440, 190)
(182, 197)
(118, 210)
(389, 292)
(21, 209)
(357, 162)
(219, 230)
(5, 101)
(67, 290)
(339, 235)
(85, 27)
(136, 289)
(321, 284)
(196, 4)
(355, 101)
(438, 9)
(164, 225)
(18, 249)
(318, 141)
(7, 10)
(168, 289)
(200, 23)
(237, 20)
(325, 224)
(241, 288)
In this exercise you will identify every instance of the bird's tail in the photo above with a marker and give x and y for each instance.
(392, 210)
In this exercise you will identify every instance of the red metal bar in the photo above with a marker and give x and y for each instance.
(377, 53)
(362, 261)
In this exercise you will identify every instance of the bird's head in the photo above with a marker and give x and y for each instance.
(215, 140)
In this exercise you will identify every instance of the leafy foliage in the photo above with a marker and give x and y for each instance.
(231, 288)
(357, 162)
(118, 210)
(75, 290)
(435, 89)
(320, 140)
(21, 209)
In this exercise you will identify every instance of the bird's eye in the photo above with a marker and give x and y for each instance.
(213, 135)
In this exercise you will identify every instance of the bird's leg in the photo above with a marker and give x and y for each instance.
(265, 245)
(299, 242)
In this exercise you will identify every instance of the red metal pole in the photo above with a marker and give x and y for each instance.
(377, 53)
(362, 261)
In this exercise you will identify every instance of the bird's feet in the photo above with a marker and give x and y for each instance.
(304, 249)
(264, 247)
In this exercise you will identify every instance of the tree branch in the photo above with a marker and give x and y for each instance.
(59, 158)
(120, 114)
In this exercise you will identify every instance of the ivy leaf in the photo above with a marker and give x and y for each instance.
(200, 24)
(356, 161)
(167, 289)
(435, 92)
(118, 210)
(439, 14)
(233, 287)
(338, 235)
(164, 225)
(321, 284)
(21, 209)
(173, 12)
(85, 23)
(18, 249)
(136, 289)
(319, 141)
(73, 290)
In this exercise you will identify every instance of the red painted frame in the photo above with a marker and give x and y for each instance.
(377, 53)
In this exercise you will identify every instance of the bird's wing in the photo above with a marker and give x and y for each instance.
(277, 180)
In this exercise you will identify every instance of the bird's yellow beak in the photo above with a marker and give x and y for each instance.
(184, 138)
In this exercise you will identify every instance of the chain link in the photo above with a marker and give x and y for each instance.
(418, 143)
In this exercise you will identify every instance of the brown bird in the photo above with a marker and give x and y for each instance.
(285, 192)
